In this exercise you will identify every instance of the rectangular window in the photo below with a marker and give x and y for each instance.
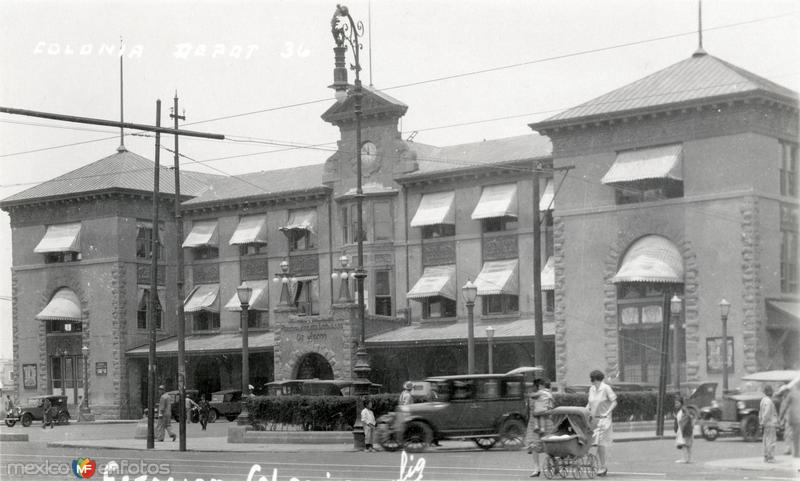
(144, 240)
(60, 257)
(54, 325)
(345, 225)
(206, 321)
(789, 248)
(789, 170)
(648, 190)
(499, 224)
(306, 298)
(301, 240)
(383, 293)
(500, 304)
(383, 221)
(549, 301)
(438, 230)
(252, 249)
(144, 306)
(354, 225)
(257, 319)
(437, 307)
(206, 252)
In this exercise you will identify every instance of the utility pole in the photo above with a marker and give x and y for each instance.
(180, 314)
(151, 308)
(538, 321)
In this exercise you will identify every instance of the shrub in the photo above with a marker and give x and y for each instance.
(313, 413)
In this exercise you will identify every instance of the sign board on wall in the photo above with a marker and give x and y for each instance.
(29, 377)
(714, 355)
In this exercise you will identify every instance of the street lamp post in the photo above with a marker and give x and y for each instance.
(244, 292)
(675, 309)
(84, 411)
(283, 277)
(724, 309)
(345, 29)
(470, 292)
(63, 367)
(490, 339)
(344, 273)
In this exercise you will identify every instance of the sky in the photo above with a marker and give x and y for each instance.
(258, 71)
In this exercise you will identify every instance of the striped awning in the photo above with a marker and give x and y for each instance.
(498, 277)
(204, 233)
(160, 296)
(60, 238)
(497, 201)
(651, 259)
(435, 209)
(547, 201)
(259, 298)
(665, 162)
(204, 297)
(435, 281)
(305, 219)
(64, 306)
(549, 275)
(252, 229)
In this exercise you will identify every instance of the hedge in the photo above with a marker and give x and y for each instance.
(337, 413)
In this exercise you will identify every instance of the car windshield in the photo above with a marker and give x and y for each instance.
(217, 398)
(35, 402)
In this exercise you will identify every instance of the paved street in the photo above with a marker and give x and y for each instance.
(646, 460)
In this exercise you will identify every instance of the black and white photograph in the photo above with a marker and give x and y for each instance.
(399, 240)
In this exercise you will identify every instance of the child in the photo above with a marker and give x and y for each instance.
(204, 411)
(768, 418)
(368, 421)
(684, 429)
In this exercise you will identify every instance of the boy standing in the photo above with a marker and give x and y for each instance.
(368, 421)
(768, 418)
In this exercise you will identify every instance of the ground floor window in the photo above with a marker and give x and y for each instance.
(437, 306)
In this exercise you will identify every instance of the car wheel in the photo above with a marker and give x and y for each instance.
(512, 434)
(27, 419)
(485, 443)
(212, 415)
(417, 436)
(749, 427)
(386, 437)
(10, 423)
(63, 418)
(710, 434)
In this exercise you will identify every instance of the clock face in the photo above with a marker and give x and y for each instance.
(369, 158)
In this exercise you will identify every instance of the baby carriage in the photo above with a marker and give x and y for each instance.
(567, 445)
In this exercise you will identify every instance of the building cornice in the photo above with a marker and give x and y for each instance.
(43, 202)
(500, 169)
(256, 201)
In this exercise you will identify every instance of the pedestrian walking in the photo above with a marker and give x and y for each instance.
(190, 404)
(9, 405)
(405, 396)
(684, 429)
(204, 410)
(602, 402)
(47, 413)
(368, 421)
(539, 401)
(164, 415)
(768, 418)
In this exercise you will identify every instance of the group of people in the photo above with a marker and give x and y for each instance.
(164, 425)
(787, 416)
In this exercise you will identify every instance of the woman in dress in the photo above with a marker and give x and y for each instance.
(684, 429)
(602, 402)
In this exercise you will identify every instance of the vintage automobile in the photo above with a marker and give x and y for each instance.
(32, 411)
(737, 413)
(697, 395)
(283, 388)
(227, 404)
(321, 387)
(486, 408)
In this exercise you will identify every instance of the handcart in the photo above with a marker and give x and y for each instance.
(567, 445)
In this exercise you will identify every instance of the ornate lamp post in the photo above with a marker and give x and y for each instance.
(724, 309)
(63, 363)
(675, 305)
(490, 339)
(345, 29)
(284, 277)
(84, 412)
(344, 273)
(470, 292)
(244, 292)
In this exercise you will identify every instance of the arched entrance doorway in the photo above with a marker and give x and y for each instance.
(313, 366)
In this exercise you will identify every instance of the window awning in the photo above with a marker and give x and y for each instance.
(64, 306)
(435, 209)
(783, 314)
(549, 275)
(435, 281)
(546, 202)
(259, 298)
(498, 277)
(651, 259)
(655, 163)
(60, 238)
(160, 297)
(204, 233)
(252, 229)
(203, 298)
(302, 220)
(497, 201)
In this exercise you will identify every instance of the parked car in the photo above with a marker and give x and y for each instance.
(486, 408)
(32, 411)
(617, 386)
(227, 404)
(737, 413)
(283, 388)
(192, 394)
(697, 395)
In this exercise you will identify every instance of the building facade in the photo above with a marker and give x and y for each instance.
(682, 184)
